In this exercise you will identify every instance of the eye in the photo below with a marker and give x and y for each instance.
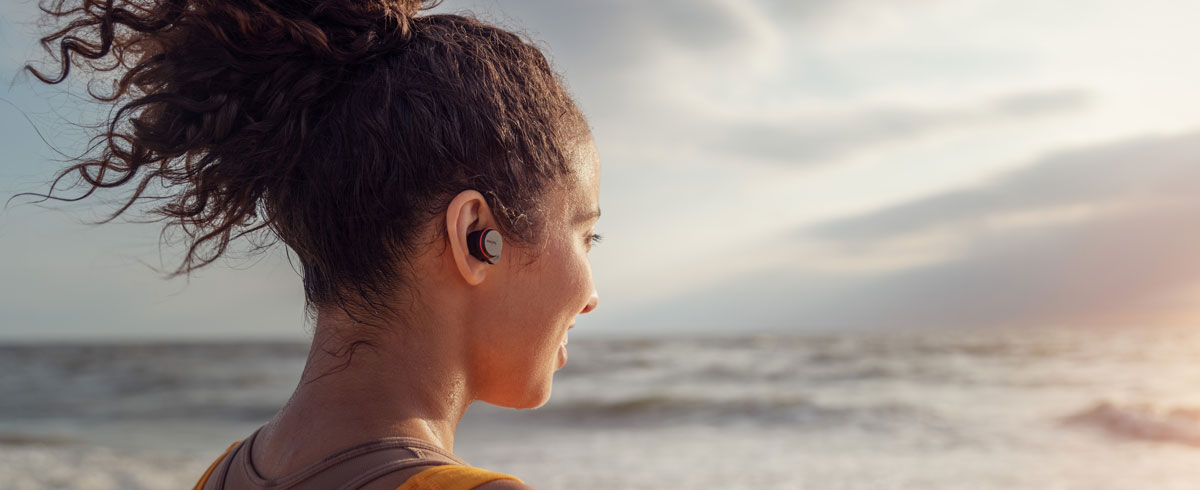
(594, 238)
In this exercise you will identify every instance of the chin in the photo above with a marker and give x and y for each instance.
(527, 397)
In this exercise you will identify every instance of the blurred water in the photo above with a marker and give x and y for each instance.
(928, 410)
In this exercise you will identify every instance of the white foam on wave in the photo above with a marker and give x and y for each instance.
(1142, 422)
(40, 467)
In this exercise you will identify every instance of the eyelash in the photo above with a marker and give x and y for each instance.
(594, 238)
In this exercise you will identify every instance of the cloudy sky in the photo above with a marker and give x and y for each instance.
(768, 165)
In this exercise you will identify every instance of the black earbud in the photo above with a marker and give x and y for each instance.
(485, 245)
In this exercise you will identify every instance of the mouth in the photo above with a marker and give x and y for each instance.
(564, 342)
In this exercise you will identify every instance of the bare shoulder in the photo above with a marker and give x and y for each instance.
(504, 485)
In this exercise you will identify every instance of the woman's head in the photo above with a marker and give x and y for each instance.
(340, 127)
(513, 316)
(344, 128)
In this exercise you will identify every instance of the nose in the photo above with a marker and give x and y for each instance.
(592, 302)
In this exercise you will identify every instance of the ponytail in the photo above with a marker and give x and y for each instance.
(339, 127)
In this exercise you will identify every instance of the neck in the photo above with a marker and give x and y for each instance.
(411, 383)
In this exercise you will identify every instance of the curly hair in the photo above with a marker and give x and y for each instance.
(337, 127)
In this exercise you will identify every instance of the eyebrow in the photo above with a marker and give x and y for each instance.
(589, 215)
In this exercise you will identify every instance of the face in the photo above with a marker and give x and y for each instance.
(546, 288)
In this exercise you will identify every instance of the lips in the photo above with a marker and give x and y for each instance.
(564, 342)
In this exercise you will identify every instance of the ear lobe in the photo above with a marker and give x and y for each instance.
(467, 211)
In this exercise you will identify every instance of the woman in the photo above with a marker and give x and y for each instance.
(430, 172)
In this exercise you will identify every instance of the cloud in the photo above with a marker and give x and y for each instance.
(1134, 263)
(664, 78)
(1120, 269)
(816, 11)
(1148, 169)
(608, 35)
(810, 140)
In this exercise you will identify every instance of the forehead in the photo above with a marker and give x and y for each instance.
(583, 185)
(585, 162)
(575, 196)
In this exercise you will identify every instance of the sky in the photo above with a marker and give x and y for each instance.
(768, 166)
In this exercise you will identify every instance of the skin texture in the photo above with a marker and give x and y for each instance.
(477, 331)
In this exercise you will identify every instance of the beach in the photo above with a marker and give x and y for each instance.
(859, 410)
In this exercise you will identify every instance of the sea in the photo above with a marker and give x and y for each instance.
(1068, 408)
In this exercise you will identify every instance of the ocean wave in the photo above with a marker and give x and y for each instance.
(22, 439)
(1141, 422)
(791, 410)
(663, 403)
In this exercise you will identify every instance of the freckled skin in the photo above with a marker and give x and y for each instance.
(475, 332)
(518, 345)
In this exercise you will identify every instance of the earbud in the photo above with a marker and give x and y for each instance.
(485, 245)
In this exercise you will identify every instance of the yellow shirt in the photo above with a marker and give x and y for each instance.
(443, 477)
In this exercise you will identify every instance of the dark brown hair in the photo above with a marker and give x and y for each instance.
(339, 127)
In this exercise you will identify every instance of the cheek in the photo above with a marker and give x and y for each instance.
(575, 279)
(583, 282)
(542, 296)
(563, 292)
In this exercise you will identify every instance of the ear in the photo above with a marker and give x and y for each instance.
(467, 212)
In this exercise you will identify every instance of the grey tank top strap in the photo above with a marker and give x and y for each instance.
(348, 469)
(219, 475)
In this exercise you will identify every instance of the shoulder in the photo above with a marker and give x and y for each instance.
(398, 479)
(504, 485)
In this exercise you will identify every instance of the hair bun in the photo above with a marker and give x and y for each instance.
(409, 8)
(329, 125)
(349, 31)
